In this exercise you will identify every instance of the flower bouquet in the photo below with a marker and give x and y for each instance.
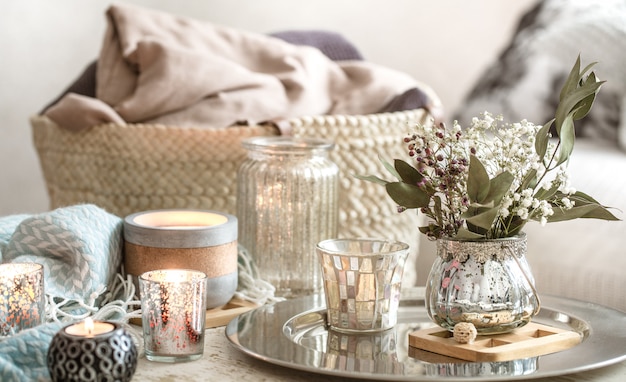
(488, 180)
(478, 186)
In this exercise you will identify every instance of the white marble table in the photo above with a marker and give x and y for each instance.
(223, 362)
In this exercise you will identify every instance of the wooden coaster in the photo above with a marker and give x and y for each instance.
(531, 340)
(221, 315)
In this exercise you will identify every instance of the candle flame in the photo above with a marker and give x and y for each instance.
(89, 326)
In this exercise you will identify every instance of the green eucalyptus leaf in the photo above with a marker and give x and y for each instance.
(466, 234)
(586, 69)
(584, 106)
(371, 178)
(580, 197)
(484, 219)
(572, 80)
(543, 194)
(530, 180)
(476, 207)
(542, 138)
(407, 195)
(390, 168)
(425, 229)
(477, 181)
(407, 173)
(602, 213)
(498, 187)
(567, 138)
(572, 99)
(515, 226)
(591, 211)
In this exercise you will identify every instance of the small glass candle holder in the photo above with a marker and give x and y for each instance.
(173, 311)
(362, 281)
(22, 298)
(92, 351)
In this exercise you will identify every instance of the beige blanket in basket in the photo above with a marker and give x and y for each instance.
(156, 67)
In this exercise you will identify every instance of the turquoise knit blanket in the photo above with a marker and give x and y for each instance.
(80, 248)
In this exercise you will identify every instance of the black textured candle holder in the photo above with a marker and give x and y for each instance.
(109, 356)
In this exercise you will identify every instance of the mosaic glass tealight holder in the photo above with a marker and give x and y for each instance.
(362, 281)
(173, 313)
(22, 297)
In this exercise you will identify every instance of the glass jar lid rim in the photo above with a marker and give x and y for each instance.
(287, 143)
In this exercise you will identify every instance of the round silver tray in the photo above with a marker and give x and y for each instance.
(293, 334)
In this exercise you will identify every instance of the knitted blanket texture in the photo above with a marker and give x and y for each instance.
(80, 248)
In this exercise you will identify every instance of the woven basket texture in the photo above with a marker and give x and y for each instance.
(139, 167)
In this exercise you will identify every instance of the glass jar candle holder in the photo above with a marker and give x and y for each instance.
(287, 191)
(22, 297)
(202, 240)
(173, 314)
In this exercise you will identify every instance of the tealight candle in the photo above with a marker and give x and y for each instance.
(89, 328)
(205, 241)
(173, 312)
(22, 298)
(92, 350)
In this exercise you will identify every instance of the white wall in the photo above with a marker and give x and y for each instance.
(45, 44)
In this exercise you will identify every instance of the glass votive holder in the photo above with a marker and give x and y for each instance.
(22, 297)
(92, 351)
(362, 281)
(173, 313)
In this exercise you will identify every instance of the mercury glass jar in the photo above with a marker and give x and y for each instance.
(486, 282)
(287, 191)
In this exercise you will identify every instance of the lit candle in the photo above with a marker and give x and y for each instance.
(111, 352)
(202, 240)
(89, 328)
(180, 219)
(22, 298)
(173, 310)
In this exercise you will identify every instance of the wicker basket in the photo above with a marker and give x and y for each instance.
(132, 168)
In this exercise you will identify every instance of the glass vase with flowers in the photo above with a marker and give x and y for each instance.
(477, 187)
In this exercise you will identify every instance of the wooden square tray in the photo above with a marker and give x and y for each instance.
(531, 340)
(221, 315)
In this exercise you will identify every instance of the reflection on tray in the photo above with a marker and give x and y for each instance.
(301, 340)
(385, 352)
(441, 365)
(371, 353)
